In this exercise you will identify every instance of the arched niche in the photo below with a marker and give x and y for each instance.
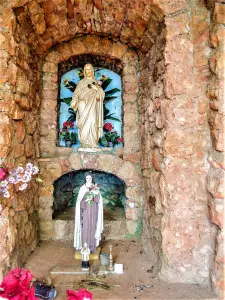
(110, 82)
(115, 56)
(66, 188)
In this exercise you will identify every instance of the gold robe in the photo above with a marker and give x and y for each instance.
(88, 103)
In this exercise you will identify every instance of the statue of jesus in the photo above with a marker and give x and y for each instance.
(87, 101)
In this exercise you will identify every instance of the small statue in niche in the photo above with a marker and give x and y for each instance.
(87, 101)
(88, 215)
(85, 252)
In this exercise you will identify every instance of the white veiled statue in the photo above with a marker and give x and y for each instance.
(87, 101)
(88, 215)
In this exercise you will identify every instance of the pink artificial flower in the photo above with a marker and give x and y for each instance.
(82, 294)
(115, 132)
(100, 82)
(3, 174)
(16, 285)
(119, 140)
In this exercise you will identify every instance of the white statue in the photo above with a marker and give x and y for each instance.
(85, 252)
(87, 101)
(88, 215)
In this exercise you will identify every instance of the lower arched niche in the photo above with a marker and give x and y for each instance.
(59, 224)
(66, 189)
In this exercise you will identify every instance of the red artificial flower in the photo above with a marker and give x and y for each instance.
(119, 140)
(82, 294)
(108, 126)
(68, 124)
(16, 285)
(3, 174)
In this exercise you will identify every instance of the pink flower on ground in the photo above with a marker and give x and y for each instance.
(16, 285)
(82, 294)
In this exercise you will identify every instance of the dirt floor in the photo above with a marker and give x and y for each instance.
(137, 281)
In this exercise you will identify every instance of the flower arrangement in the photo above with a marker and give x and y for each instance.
(92, 192)
(110, 136)
(19, 176)
(66, 135)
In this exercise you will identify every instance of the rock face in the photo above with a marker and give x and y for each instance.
(215, 178)
(172, 59)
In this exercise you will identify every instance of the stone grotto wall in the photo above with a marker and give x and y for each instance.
(172, 54)
(215, 113)
(19, 134)
(176, 141)
(152, 69)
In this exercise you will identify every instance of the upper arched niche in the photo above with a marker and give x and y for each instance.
(47, 23)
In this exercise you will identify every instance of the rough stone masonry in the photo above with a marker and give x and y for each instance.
(172, 53)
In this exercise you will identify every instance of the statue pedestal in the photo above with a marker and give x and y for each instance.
(89, 149)
(93, 256)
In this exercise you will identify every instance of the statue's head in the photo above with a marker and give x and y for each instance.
(89, 177)
(89, 71)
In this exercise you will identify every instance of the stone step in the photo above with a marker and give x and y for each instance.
(116, 226)
(63, 230)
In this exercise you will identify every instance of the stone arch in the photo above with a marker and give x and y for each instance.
(54, 168)
(100, 46)
(54, 25)
(70, 183)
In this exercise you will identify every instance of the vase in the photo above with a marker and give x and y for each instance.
(110, 144)
(68, 143)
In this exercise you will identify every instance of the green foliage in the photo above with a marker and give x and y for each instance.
(107, 115)
(112, 92)
(72, 117)
(73, 137)
(69, 136)
(66, 100)
(106, 82)
(106, 99)
(103, 141)
(70, 85)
